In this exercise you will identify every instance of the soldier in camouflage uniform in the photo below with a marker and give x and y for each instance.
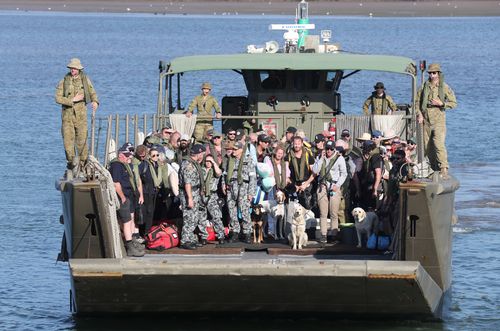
(240, 186)
(74, 92)
(212, 174)
(379, 102)
(190, 182)
(433, 99)
(204, 104)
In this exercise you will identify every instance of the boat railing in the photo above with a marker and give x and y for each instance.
(109, 132)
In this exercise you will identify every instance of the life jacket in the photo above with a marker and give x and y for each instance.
(299, 170)
(384, 103)
(280, 180)
(131, 174)
(325, 170)
(196, 165)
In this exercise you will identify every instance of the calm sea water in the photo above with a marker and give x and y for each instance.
(121, 53)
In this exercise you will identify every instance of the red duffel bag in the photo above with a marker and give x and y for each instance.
(161, 237)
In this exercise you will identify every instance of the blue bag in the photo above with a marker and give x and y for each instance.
(381, 242)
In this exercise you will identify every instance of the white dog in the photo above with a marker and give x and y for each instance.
(275, 209)
(365, 222)
(298, 238)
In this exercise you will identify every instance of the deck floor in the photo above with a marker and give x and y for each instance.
(276, 248)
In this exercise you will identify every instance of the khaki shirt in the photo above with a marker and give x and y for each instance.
(204, 105)
(377, 105)
(432, 113)
(76, 87)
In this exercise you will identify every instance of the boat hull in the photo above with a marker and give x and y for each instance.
(280, 284)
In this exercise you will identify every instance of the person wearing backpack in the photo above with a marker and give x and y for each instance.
(331, 171)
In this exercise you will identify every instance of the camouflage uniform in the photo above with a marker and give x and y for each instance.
(435, 122)
(74, 115)
(238, 192)
(204, 106)
(191, 217)
(212, 204)
(378, 105)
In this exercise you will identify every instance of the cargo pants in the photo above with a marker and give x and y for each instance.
(434, 138)
(237, 198)
(74, 131)
(328, 205)
(191, 217)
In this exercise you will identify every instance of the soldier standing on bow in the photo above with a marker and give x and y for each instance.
(190, 183)
(240, 186)
(73, 93)
(204, 103)
(433, 99)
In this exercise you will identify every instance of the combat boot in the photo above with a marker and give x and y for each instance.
(444, 173)
(234, 237)
(133, 250)
(247, 238)
(189, 246)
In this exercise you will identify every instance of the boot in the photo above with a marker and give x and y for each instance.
(133, 250)
(322, 240)
(189, 246)
(234, 237)
(444, 173)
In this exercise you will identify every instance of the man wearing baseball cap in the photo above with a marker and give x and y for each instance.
(433, 99)
(379, 103)
(190, 184)
(74, 92)
(204, 103)
(240, 186)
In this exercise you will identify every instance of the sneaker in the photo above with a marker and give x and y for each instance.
(222, 241)
(133, 250)
(322, 240)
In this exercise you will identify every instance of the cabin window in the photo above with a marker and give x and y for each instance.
(273, 80)
(306, 80)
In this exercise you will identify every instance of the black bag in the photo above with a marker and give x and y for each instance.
(138, 218)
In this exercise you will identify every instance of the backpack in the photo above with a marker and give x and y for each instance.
(163, 236)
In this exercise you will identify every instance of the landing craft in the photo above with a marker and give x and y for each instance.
(412, 280)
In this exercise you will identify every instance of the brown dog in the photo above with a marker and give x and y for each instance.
(258, 223)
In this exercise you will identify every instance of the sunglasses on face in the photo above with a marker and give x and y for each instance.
(155, 155)
(231, 134)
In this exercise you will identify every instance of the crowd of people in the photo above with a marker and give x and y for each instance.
(216, 177)
(173, 176)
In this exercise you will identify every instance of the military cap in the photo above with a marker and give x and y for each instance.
(379, 85)
(330, 145)
(291, 129)
(434, 67)
(75, 64)
(206, 85)
(367, 144)
(345, 133)
(185, 137)
(216, 134)
(209, 132)
(238, 145)
(197, 149)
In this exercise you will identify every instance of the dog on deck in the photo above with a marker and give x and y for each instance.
(365, 223)
(257, 217)
(298, 237)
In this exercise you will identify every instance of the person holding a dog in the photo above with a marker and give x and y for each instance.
(331, 172)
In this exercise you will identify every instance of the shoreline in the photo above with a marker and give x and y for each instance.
(375, 8)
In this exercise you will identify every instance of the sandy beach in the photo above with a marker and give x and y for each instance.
(376, 8)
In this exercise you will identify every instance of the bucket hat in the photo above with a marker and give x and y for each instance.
(379, 85)
(434, 67)
(365, 137)
(206, 85)
(75, 64)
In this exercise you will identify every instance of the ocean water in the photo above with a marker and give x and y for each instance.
(121, 54)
